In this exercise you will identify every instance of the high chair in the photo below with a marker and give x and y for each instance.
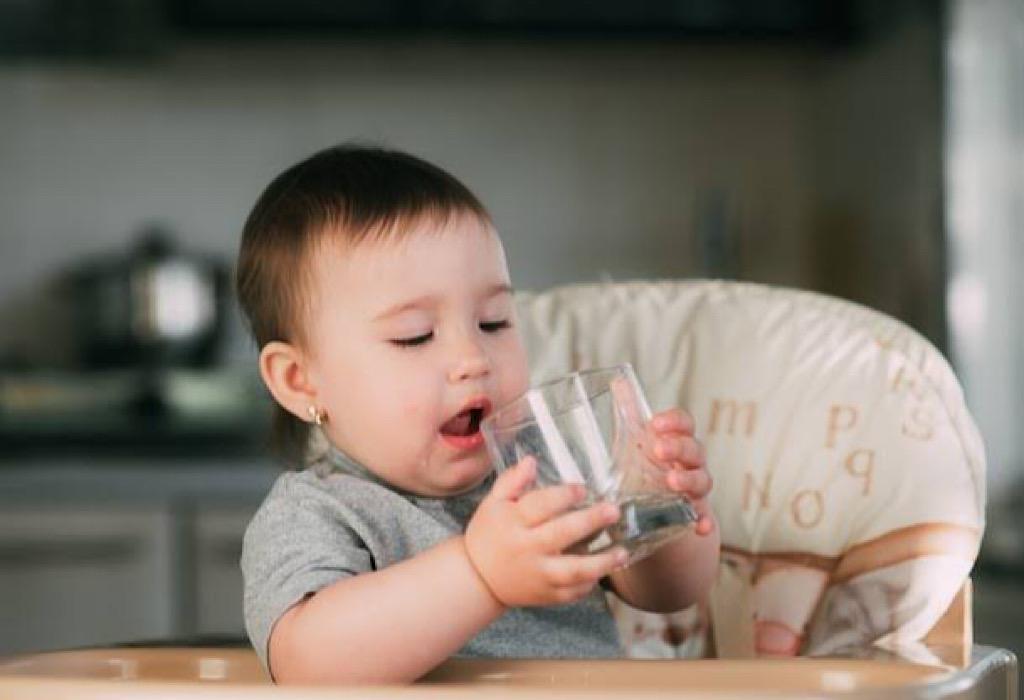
(849, 489)
(849, 477)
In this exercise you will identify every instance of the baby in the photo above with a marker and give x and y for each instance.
(377, 291)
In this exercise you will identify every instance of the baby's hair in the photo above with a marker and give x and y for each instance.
(350, 192)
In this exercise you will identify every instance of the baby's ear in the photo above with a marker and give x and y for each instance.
(284, 371)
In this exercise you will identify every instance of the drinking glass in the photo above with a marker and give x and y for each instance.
(590, 428)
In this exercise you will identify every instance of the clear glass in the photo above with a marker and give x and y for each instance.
(591, 428)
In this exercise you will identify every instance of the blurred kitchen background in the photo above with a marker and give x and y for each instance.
(865, 148)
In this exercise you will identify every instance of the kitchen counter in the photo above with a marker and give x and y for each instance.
(135, 479)
(221, 412)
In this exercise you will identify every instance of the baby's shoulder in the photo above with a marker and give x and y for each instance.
(311, 488)
(305, 503)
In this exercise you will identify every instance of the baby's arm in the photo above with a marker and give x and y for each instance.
(681, 572)
(394, 625)
(675, 577)
(391, 625)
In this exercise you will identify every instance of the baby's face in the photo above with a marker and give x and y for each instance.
(411, 342)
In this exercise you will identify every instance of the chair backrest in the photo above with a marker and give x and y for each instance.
(849, 476)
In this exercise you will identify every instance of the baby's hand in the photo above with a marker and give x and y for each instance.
(517, 540)
(677, 450)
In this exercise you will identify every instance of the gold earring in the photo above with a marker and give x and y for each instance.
(318, 415)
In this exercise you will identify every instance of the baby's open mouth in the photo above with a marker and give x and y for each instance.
(464, 424)
(462, 431)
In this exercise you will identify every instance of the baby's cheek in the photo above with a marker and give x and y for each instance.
(411, 410)
(518, 385)
(418, 419)
(511, 362)
(517, 378)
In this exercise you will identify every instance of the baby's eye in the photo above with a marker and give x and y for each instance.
(414, 341)
(494, 326)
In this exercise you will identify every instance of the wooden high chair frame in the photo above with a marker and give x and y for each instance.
(954, 632)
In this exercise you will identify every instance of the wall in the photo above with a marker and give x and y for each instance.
(597, 161)
(768, 162)
(985, 188)
(875, 120)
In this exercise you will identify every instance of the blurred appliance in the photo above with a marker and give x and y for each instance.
(155, 306)
(146, 374)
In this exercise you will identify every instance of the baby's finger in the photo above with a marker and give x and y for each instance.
(562, 532)
(570, 594)
(695, 482)
(705, 525)
(542, 505)
(673, 420)
(627, 400)
(511, 483)
(585, 569)
(682, 449)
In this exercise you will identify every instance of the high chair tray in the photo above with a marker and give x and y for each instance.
(222, 674)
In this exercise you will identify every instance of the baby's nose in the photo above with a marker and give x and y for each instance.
(471, 365)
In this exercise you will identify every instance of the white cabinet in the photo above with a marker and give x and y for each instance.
(99, 551)
(75, 575)
(218, 548)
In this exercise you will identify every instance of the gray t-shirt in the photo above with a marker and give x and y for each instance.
(336, 519)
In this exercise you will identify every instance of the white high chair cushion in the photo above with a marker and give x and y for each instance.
(849, 477)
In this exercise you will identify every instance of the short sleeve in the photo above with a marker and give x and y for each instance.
(300, 541)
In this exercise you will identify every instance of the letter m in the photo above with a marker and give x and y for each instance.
(727, 413)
